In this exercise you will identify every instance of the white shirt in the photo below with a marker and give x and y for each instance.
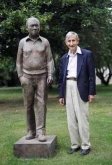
(72, 64)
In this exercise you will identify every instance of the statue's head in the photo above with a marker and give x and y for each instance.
(33, 26)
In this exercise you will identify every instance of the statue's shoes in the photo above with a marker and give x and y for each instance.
(42, 138)
(29, 136)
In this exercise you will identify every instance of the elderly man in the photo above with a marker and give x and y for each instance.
(77, 88)
(35, 67)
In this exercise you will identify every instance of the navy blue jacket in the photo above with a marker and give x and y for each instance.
(85, 74)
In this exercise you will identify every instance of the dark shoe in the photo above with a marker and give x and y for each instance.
(72, 150)
(85, 151)
(29, 136)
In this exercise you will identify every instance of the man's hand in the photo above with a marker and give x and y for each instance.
(62, 101)
(91, 98)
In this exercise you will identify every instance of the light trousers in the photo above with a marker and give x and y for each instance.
(77, 116)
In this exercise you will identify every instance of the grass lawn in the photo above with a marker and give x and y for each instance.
(13, 127)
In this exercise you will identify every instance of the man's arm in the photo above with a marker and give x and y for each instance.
(60, 83)
(92, 77)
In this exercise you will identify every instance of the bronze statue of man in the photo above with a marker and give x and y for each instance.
(35, 68)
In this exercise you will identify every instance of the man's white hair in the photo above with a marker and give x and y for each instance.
(70, 34)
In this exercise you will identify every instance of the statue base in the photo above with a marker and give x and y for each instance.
(34, 149)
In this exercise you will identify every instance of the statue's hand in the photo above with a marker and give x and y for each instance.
(49, 80)
(23, 80)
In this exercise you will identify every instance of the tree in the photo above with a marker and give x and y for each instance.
(13, 17)
(98, 34)
(90, 19)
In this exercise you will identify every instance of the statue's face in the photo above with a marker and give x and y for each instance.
(33, 27)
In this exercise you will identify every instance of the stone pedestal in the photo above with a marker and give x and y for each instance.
(34, 149)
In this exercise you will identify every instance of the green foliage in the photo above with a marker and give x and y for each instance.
(90, 19)
(6, 63)
(6, 68)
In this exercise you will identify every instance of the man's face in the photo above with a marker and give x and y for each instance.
(33, 27)
(72, 43)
